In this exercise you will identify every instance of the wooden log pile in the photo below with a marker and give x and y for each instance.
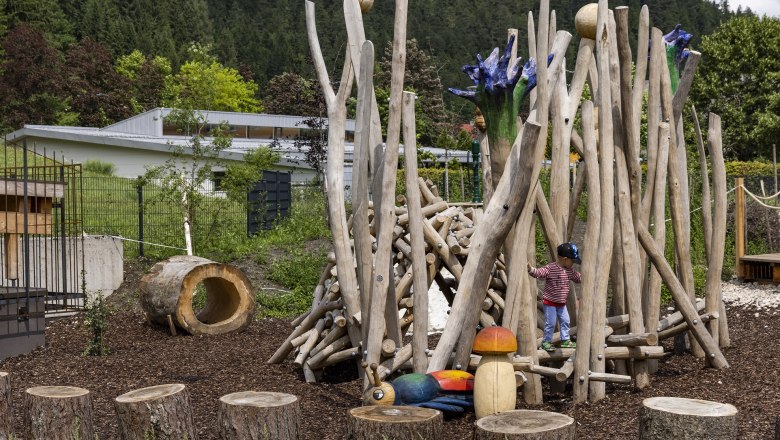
(394, 247)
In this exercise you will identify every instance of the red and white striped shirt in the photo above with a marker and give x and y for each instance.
(556, 286)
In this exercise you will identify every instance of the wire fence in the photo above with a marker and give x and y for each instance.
(151, 220)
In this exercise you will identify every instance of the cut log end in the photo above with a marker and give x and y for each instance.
(370, 422)
(675, 417)
(525, 424)
(57, 392)
(258, 399)
(150, 393)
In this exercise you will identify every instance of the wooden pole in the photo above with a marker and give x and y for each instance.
(360, 175)
(653, 294)
(706, 203)
(420, 282)
(774, 166)
(739, 225)
(335, 177)
(715, 261)
(606, 147)
(590, 256)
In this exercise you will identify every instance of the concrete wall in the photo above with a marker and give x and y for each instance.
(103, 269)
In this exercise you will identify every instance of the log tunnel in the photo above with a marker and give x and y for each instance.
(170, 286)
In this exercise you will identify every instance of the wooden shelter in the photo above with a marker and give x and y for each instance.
(393, 247)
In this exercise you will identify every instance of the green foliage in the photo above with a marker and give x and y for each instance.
(754, 168)
(300, 271)
(240, 177)
(292, 94)
(738, 79)
(99, 167)
(96, 321)
(204, 84)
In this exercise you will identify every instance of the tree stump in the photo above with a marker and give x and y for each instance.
(394, 423)
(675, 417)
(58, 413)
(160, 412)
(169, 287)
(6, 408)
(525, 424)
(255, 415)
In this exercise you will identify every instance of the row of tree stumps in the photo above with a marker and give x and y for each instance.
(156, 412)
(387, 256)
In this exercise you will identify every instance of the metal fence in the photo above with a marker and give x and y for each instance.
(150, 219)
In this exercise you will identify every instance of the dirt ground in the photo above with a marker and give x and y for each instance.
(212, 366)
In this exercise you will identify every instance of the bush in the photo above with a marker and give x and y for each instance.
(300, 273)
(99, 167)
(735, 169)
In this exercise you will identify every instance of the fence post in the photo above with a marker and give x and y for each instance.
(739, 226)
(140, 190)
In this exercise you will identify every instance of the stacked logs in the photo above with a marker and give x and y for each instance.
(387, 256)
(319, 338)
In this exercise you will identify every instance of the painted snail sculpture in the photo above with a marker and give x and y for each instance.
(445, 390)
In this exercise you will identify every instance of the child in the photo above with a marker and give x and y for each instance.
(556, 289)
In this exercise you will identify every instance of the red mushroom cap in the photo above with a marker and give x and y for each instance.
(495, 340)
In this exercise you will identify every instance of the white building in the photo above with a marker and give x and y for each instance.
(146, 140)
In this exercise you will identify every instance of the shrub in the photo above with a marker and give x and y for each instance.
(99, 167)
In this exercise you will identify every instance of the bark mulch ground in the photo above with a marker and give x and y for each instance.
(212, 366)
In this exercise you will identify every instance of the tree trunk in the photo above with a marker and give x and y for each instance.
(394, 423)
(169, 288)
(255, 415)
(525, 424)
(160, 412)
(6, 407)
(675, 417)
(58, 413)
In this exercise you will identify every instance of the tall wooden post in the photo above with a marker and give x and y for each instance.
(739, 226)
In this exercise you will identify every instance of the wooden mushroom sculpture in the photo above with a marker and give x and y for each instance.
(495, 386)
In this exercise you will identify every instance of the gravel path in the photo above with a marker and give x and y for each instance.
(761, 297)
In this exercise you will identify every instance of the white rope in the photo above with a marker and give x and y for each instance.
(700, 207)
(756, 198)
(146, 242)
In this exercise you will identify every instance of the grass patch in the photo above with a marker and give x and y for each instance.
(298, 272)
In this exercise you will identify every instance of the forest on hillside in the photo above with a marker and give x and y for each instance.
(93, 62)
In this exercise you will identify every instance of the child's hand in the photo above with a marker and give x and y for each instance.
(529, 266)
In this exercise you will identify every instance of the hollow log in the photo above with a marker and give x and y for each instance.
(169, 288)
(675, 417)
(525, 425)
(394, 422)
(58, 413)
(159, 412)
(6, 407)
(258, 415)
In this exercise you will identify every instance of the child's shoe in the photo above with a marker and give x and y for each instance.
(568, 344)
(547, 346)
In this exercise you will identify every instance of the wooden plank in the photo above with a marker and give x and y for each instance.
(763, 258)
(13, 223)
(13, 187)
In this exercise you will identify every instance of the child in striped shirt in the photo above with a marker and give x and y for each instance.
(556, 290)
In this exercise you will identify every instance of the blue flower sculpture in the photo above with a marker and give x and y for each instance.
(500, 88)
(676, 42)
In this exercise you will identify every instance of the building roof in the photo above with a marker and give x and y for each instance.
(144, 132)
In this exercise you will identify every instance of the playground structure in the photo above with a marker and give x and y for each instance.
(387, 256)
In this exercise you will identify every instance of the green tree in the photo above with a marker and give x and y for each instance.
(205, 84)
(44, 15)
(29, 93)
(241, 176)
(103, 22)
(292, 94)
(738, 79)
(150, 77)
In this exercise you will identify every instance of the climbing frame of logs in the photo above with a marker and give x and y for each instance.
(392, 248)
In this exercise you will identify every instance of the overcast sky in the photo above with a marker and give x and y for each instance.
(760, 7)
